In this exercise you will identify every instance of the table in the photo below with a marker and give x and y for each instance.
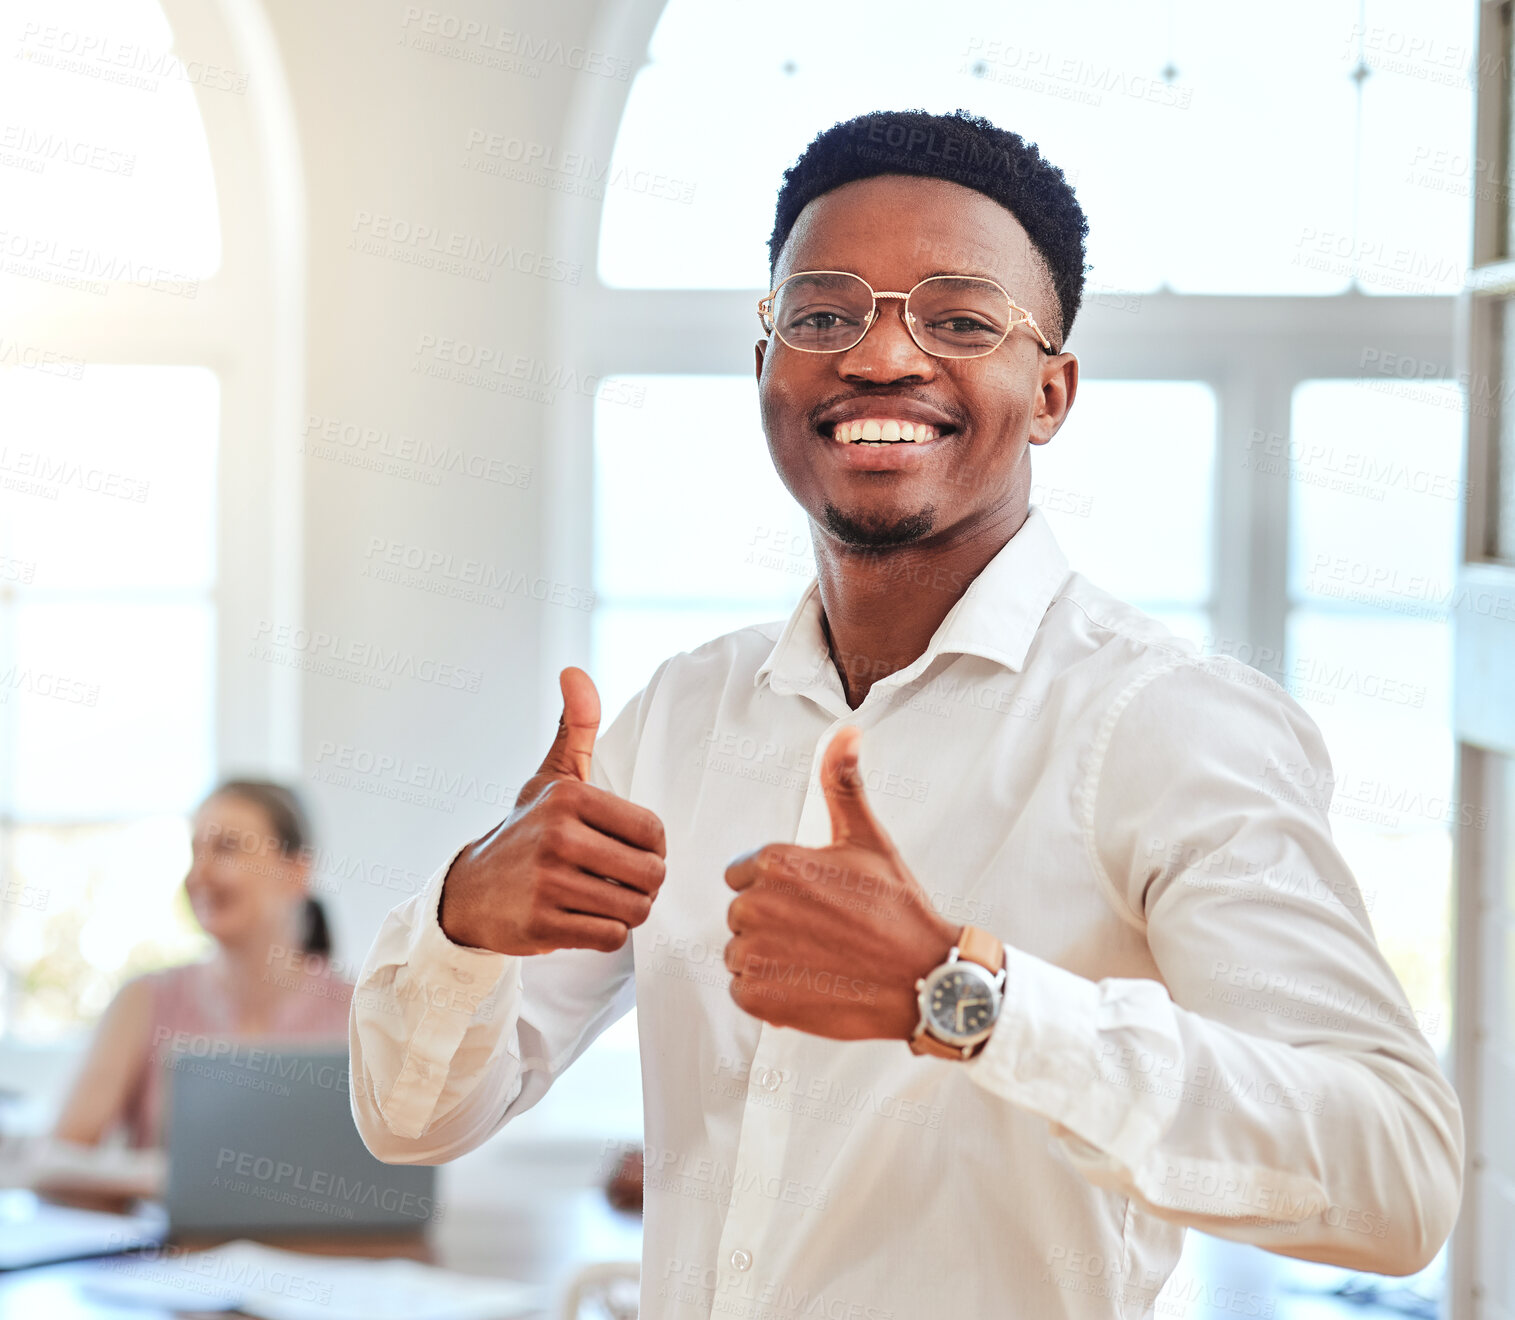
(532, 1216)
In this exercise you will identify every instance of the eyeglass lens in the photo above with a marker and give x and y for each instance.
(955, 315)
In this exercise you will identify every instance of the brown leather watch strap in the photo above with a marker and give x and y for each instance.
(981, 947)
(926, 1043)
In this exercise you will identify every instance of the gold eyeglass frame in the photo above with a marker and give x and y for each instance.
(1023, 317)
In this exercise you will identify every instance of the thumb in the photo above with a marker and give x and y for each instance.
(852, 819)
(569, 755)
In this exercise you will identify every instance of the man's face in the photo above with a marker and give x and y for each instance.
(895, 230)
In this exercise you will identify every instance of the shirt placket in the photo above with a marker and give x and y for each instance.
(741, 1270)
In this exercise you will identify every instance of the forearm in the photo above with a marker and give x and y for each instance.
(449, 1043)
(1324, 1152)
(433, 1033)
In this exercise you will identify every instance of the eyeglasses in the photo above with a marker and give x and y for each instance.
(950, 316)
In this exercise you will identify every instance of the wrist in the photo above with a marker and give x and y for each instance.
(936, 944)
(453, 906)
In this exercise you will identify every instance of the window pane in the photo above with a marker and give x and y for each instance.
(105, 166)
(688, 506)
(1417, 172)
(113, 709)
(89, 906)
(1127, 486)
(1377, 492)
(1124, 104)
(109, 480)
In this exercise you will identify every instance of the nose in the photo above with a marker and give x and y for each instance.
(887, 352)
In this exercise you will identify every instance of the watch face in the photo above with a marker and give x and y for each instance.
(960, 1003)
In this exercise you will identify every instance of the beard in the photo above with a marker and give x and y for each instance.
(880, 531)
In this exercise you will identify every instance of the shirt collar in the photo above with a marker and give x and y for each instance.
(996, 617)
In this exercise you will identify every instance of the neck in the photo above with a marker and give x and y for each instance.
(256, 975)
(881, 607)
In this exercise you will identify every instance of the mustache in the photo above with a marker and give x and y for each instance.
(956, 415)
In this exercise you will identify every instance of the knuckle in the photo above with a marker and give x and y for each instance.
(657, 871)
(641, 909)
(613, 940)
(562, 794)
(769, 860)
(557, 831)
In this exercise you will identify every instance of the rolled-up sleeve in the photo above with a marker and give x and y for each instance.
(449, 1043)
(1275, 1086)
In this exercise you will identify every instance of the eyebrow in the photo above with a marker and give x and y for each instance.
(983, 275)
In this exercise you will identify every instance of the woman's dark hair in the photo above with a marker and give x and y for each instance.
(291, 824)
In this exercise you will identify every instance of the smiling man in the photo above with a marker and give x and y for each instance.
(983, 934)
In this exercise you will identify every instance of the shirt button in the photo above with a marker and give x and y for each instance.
(741, 1260)
(773, 1080)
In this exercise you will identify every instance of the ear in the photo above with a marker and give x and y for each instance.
(297, 873)
(1059, 386)
(761, 347)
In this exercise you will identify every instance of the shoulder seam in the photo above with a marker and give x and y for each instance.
(1088, 792)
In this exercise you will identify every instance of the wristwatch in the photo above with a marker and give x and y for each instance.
(961, 999)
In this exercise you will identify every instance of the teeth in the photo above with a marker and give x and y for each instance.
(882, 431)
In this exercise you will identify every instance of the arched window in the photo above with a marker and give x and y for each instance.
(149, 355)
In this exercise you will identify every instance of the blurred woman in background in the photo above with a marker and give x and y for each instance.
(268, 980)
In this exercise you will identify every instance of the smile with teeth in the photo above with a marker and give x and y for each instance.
(882, 431)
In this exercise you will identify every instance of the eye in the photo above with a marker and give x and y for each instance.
(961, 325)
(821, 320)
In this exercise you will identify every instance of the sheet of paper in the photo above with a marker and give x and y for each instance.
(290, 1285)
(34, 1231)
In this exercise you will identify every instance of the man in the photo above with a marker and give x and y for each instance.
(972, 1019)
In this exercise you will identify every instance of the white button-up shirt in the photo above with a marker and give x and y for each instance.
(1198, 1029)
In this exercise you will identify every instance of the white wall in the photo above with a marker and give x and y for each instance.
(385, 127)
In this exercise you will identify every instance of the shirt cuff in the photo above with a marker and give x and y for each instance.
(1062, 1048)
(454, 987)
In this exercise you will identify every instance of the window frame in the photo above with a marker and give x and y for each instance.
(245, 324)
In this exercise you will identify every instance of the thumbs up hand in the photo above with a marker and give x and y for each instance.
(571, 867)
(831, 940)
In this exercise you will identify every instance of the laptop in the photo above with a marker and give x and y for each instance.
(263, 1140)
